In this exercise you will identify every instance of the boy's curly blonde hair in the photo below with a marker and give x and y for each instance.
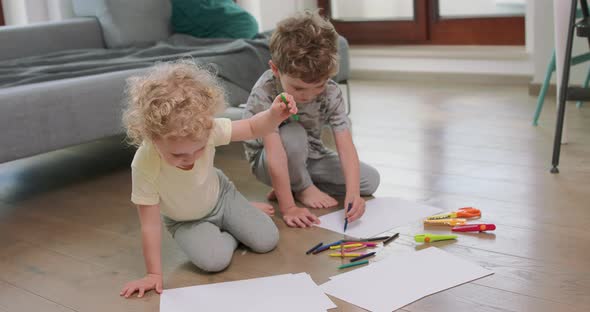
(305, 46)
(172, 99)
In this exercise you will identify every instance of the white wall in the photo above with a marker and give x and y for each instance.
(22, 12)
(253, 7)
(529, 18)
(36, 11)
(543, 37)
(60, 9)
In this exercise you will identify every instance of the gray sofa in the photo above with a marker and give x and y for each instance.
(48, 110)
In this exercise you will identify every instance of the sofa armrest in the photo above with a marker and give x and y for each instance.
(42, 38)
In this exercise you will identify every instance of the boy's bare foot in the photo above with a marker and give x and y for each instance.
(314, 198)
(272, 196)
(264, 207)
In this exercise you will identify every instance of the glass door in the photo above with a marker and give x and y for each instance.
(477, 22)
(378, 21)
(461, 22)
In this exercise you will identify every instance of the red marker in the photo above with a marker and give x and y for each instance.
(474, 228)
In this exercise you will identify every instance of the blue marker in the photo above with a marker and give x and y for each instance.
(313, 248)
(325, 247)
(362, 256)
(346, 218)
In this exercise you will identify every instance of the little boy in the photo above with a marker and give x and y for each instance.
(293, 159)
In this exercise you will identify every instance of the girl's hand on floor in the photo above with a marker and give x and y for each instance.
(151, 281)
(299, 217)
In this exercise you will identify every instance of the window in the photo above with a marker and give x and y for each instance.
(465, 22)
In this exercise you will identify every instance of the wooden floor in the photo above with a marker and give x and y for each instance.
(69, 236)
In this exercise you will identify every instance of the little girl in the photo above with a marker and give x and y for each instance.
(170, 117)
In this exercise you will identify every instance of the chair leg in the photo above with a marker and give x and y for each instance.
(544, 87)
(586, 82)
(348, 105)
(563, 91)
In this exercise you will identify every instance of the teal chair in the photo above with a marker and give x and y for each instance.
(550, 69)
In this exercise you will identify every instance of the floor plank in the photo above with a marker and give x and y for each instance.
(70, 282)
(473, 297)
(15, 299)
(534, 278)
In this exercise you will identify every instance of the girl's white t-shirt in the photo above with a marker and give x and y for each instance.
(182, 194)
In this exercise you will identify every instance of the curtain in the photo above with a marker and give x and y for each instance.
(23, 12)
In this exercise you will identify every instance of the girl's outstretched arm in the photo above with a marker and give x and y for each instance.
(151, 235)
(264, 122)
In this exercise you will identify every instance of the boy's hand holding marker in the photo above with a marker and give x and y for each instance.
(356, 207)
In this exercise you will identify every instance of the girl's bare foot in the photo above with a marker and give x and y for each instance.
(314, 198)
(264, 207)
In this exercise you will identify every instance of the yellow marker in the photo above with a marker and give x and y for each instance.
(348, 246)
(429, 238)
(337, 254)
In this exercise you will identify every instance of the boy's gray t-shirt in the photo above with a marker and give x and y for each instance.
(326, 108)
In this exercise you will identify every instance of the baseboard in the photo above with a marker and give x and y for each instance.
(452, 77)
(457, 52)
(535, 88)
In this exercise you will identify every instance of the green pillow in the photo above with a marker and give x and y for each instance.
(212, 19)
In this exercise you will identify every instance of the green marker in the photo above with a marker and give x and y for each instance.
(348, 265)
(284, 99)
(428, 238)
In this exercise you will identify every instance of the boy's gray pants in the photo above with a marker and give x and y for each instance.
(210, 242)
(326, 173)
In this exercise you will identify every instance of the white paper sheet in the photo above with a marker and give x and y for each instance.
(381, 215)
(400, 280)
(288, 292)
(309, 289)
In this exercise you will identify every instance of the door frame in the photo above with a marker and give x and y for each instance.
(1, 15)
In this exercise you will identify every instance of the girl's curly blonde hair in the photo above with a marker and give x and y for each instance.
(172, 99)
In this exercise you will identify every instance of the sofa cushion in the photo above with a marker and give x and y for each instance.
(51, 115)
(127, 23)
(49, 37)
(212, 19)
